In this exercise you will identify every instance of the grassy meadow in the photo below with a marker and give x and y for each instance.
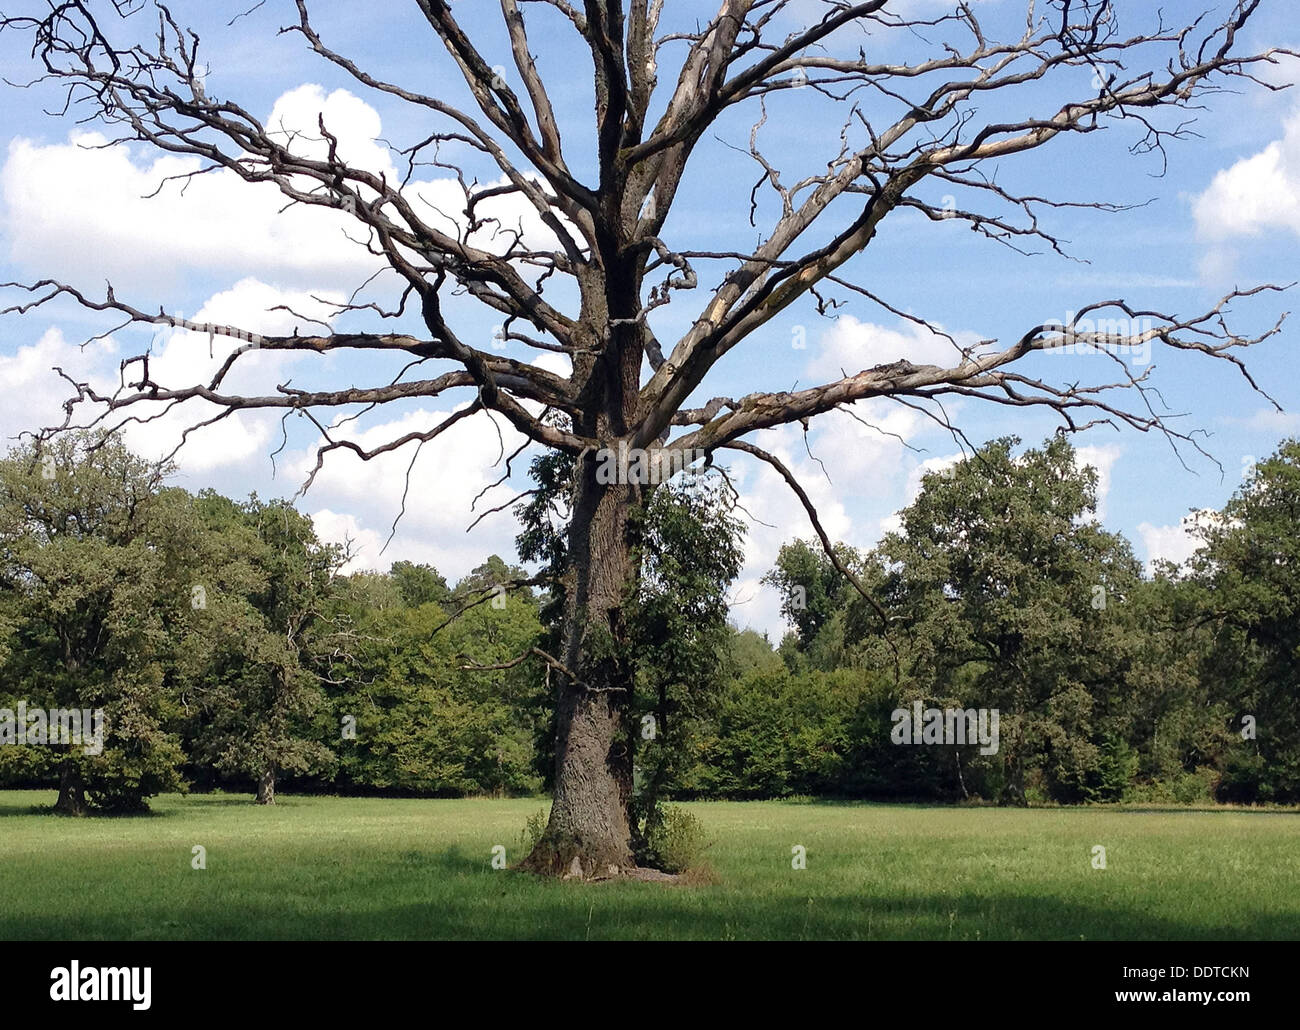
(345, 868)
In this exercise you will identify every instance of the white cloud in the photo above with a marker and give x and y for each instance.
(356, 126)
(1258, 193)
(182, 358)
(444, 481)
(869, 448)
(1218, 265)
(915, 478)
(1173, 543)
(756, 606)
(775, 516)
(34, 392)
(1102, 458)
(88, 211)
(85, 214)
(866, 458)
(850, 346)
(185, 358)
(1269, 420)
(365, 545)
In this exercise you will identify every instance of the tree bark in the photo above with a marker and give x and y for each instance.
(72, 791)
(590, 829)
(266, 787)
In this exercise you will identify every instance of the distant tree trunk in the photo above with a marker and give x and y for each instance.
(1014, 792)
(961, 780)
(72, 791)
(266, 787)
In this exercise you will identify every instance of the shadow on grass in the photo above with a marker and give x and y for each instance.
(200, 800)
(1202, 809)
(657, 912)
(537, 910)
(91, 814)
(975, 806)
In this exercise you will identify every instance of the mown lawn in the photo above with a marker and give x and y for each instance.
(333, 868)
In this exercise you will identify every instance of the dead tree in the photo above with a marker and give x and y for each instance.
(133, 67)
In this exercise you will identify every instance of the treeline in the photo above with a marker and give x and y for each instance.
(1000, 591)
(226, 647)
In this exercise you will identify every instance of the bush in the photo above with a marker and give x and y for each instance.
(675, 839)
(1197, 788)
(532, 831)
(1244, 779)
(1181, 788)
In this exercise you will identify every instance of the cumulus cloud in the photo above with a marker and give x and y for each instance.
(365, 545)
(1173, 543)
(450, 472)
(775, 516)
(1102, 458)
(849, 463)
(850, 346)
(91, 212)
(915, 478)
(183, 358)
(87, 214)
(1257, 194)
(34, 392)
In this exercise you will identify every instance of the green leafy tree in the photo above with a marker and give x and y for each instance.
(1010, 595)
(689, 553)
(95, 563)
(961, 103)
(427, 718)
(1249, 572)
(267, 643)
(419, 584)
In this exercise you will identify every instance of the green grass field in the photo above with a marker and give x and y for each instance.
(332, 868)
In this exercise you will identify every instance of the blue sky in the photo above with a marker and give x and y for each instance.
(1225, 213)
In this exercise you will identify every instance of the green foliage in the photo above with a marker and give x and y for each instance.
(751, 652)
(811, 588)
(95, 556)
(690, 552)
(1248, 575)
(424, 724)
(675, 839)
(256, 657)
(419, 584)
(1013, 598)
(534, 828)
(1002, 589)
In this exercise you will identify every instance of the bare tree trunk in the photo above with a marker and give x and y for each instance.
(266, 787)
(72, 792)
(590, 830)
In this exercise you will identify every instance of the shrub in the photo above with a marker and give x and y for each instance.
(675, 838)
(1197, 788)
(532, 831)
